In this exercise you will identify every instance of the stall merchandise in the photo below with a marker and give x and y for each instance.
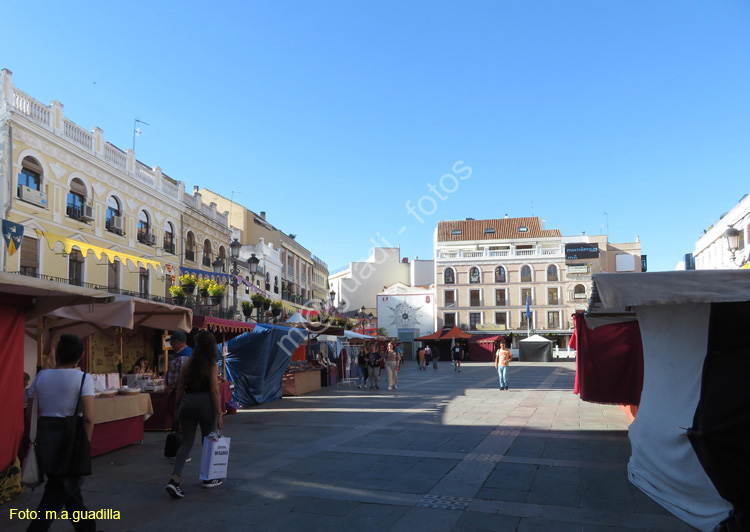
(118, 421)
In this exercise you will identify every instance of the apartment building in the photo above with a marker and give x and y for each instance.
(713, 250)
(487, 270)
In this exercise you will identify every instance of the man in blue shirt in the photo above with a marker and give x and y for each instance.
(181, 351)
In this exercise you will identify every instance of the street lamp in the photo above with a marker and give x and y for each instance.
(362, 316)
(252, 266)
(234, 250)
(732, 236)
(332, 296)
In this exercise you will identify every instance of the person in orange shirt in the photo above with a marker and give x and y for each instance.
(502, 361)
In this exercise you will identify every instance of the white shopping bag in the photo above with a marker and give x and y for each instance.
(215, 457)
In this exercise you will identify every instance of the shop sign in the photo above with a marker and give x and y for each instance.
(578, 268)
(581, 250)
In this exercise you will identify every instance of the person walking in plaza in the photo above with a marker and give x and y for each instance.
(391, 366)
(502, 361)
(427, 356)
(458, 355)
(399, 361)
(199, 403)
(57, 392)
(421, 356)
(374, 366)
(362, 367)
(435, 357)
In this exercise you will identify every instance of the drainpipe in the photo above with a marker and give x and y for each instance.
(9, 203)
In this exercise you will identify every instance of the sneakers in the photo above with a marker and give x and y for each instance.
(213, 483)
(395, 387)
(174, 490)
(389, 388)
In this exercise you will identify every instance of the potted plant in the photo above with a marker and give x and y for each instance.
(203, 285)
(188, 281)
(257, 300)
(216, 292)
(266, 303)
(276, 308)
(178, 295)
(247, 309)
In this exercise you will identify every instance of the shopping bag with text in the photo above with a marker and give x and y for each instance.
(215, 457)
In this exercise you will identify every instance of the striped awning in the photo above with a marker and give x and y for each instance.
(98, 251)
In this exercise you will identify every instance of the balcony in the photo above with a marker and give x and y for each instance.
(553, 252)
(190, 255)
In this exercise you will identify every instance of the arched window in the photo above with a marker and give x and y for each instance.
(144, 227)
(579, 292)
(30, 175)
(525, 274)
(76, 200)
(552, 273)
(75, 267)
(500, 275)
(449, 276)
(247, 286)
(169, 238)
(207, 253)
(276, 284)
(268, 281)
(474, 275)
(223, 258)
(113, 221)
(190, 247)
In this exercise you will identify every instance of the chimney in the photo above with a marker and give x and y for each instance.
(405, 260)
(196, 188)
(541, 223)
(506, 215)
(263, 215)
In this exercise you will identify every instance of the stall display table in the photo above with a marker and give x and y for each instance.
(300, 382)
(164, 407)
(118, 421)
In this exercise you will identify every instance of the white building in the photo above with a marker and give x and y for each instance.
(712, 251)
(407, 312)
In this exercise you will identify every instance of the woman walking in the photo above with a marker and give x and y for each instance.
(502, 361)
(362, 367)
(199, 403)
(391, 365)
(375, 367)
(57, 392)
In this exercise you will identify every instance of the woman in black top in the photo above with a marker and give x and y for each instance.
(199, 403)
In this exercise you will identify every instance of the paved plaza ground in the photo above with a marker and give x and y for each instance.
(446, 451)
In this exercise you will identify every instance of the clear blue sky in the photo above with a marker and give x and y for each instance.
(331, 116)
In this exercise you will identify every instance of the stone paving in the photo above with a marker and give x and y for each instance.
(446, 451)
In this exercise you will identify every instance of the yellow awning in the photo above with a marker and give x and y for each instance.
(69, 244)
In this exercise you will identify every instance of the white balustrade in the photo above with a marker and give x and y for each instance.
(145, 174)
(473, 254)
(525, 252)
(170, 189)
(36, 111)
(78, 135)
(115, 157)
(499, 253)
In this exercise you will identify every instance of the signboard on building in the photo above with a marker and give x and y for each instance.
(578, 268)
(581, 250)
(490, 327)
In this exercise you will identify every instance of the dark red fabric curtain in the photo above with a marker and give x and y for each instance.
(12, 323)
(609, 362)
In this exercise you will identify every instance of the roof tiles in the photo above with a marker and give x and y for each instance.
(504, 229)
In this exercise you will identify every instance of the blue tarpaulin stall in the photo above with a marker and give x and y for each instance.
(257, 360)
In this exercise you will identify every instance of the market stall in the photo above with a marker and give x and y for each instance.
(119, 421)
(691, 436)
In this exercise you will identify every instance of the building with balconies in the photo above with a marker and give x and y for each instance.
(487, 270)
(91, 214)
(712, 250)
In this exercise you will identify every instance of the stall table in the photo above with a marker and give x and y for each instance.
(164, 407)
(300, 382)
(118, 421)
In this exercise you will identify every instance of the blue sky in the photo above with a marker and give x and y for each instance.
(331, 116)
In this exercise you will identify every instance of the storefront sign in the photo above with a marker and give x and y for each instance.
(581, 251)
(578, 268)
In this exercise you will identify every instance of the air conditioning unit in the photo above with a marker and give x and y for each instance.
(116, 224)
(33, 196)
(87, 213)
(151, 239)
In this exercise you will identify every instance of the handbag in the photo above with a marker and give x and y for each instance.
(31, 475)
(215, 457)
(75, 456)
(174, 440)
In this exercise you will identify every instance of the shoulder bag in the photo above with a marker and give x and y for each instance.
(75, 455)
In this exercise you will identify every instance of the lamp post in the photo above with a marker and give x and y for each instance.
(332, 297)
(732, 237)
(234, 250)
(252, 266)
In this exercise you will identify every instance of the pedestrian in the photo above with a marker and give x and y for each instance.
(502, 361)
(57, 393)
(391, 365)
(374, 364)
(400, 353)
(181, 351)
(421, 354)
(458, 356)
(362, 367)
(199, 403)
(427, 356)
(435, 357)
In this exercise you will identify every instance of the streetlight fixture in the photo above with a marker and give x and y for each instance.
(332, 296)
(732, 237)
(234, 250)
(252, 266)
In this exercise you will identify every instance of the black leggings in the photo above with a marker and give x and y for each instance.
(195, 409)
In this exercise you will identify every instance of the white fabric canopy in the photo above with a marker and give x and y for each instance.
(535, 338)
(297, 318)
(352, 334)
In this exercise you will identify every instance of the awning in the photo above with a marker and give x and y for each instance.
(45, 296)
(69, 244)
(446, 334)
(218, 278)
(221, 325)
